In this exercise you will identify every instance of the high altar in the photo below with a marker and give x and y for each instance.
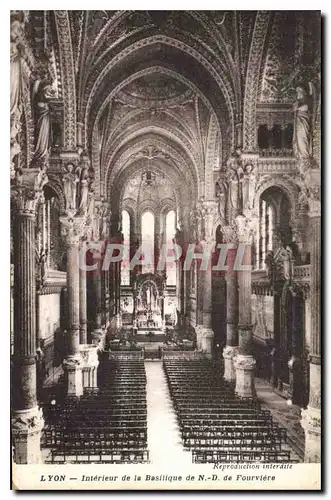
(148, 309)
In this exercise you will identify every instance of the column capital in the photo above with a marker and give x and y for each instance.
(72, 229)
(230, 233)
(27, 190)
(245, 227)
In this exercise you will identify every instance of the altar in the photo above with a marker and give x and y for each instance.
(148, 312)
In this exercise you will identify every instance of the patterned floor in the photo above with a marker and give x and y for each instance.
(288, 416)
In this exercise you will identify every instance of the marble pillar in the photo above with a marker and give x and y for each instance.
(27, 419)
(82, 307)
(205, 333)
(231, 349)
(72, 228)
(244, 362)
(311, 417)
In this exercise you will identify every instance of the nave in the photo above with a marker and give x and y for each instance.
(154, 411)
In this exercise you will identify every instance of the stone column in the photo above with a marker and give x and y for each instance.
(82, 307)
(72, 228)
(27, 420)
(311, 417)
(244, 362)
(231, 348)
(205, 332)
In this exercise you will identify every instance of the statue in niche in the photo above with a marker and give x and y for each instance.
(70, 180)
(42, 92)
(16, 50)
(302, 133)
(221, 194)
(284, 256)
(248, 186)
(41, 179)
(42, 266)
(96, 224)
(269, 262)
(84, 188)
(233, 182)
(106, 224)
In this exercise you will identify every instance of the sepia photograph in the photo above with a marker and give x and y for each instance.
(165, 249)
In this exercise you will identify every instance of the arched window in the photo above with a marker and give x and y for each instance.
(170, 233)
(147, 241)
(125, 271)
(266, 232)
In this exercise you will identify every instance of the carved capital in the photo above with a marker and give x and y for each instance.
(245, 227)
(230, 233)
(72, 229)
(27, 190)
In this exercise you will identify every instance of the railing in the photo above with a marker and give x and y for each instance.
(187, 355)
(125, 355)
(276, 153)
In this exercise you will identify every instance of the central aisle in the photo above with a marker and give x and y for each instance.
(164, 442)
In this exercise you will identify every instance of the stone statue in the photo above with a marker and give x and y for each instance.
(106, 224)
(41, 179)
(70, 180)
(221, 194)
(287, 262)
(233, 182)
(283, 257)
(42, 266)
(269, 262)
(84, 188)
(96, 223)
(248, 187)
(16, 48)
(42, 92)
(302, 133)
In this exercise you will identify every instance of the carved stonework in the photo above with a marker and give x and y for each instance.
(72, 229)
(245, 228)
(68, 77)
(230, 233)
(72, 363)
(27, 190)
(230, 352)
(252, 79)
(27, 421)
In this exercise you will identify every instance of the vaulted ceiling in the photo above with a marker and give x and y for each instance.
(176, 89)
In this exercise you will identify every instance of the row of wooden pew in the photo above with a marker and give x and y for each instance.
(105, 425)
(216, 425)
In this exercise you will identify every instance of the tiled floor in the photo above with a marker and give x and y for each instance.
(287, 415)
